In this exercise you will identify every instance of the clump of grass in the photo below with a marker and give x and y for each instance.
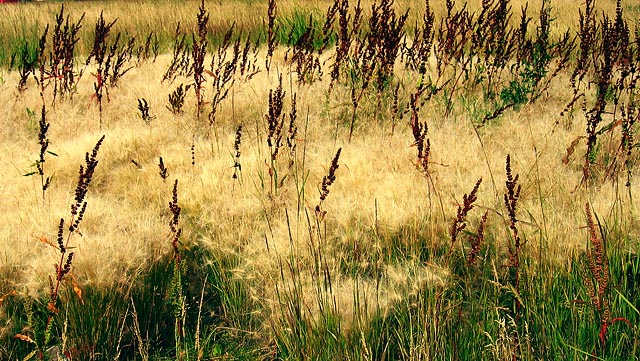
(360, 79)
(58, 64)
(277, 136)
(624, 93)
(481, 307)
(511, 198)
(595, 117)
(492, 38)
(587, 35)
(304, 328)
(466, 284)
(597, 282)
(101, 32)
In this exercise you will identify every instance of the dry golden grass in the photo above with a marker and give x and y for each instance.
(378, 188)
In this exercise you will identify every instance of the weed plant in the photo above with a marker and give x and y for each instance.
(151, 47)
(143, 107)
(43, 141)
(176, 100)
(303, 55)
(111, 60)
(62, 55)
(46, 333)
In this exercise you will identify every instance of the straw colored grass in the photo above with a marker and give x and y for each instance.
(382, 214)
(377, 182)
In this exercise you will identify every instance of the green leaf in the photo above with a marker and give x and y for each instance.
(469, 233)
(29, 174)
(30, 356)
(627, 301)
(52, 153)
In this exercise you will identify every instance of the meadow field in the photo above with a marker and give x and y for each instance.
(320, 180)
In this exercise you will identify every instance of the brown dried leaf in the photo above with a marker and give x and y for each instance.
(571, 149)
(609, 127)
(47, 242)
(24, 338)
(76, 288)
(12, 293)
(51, 307)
